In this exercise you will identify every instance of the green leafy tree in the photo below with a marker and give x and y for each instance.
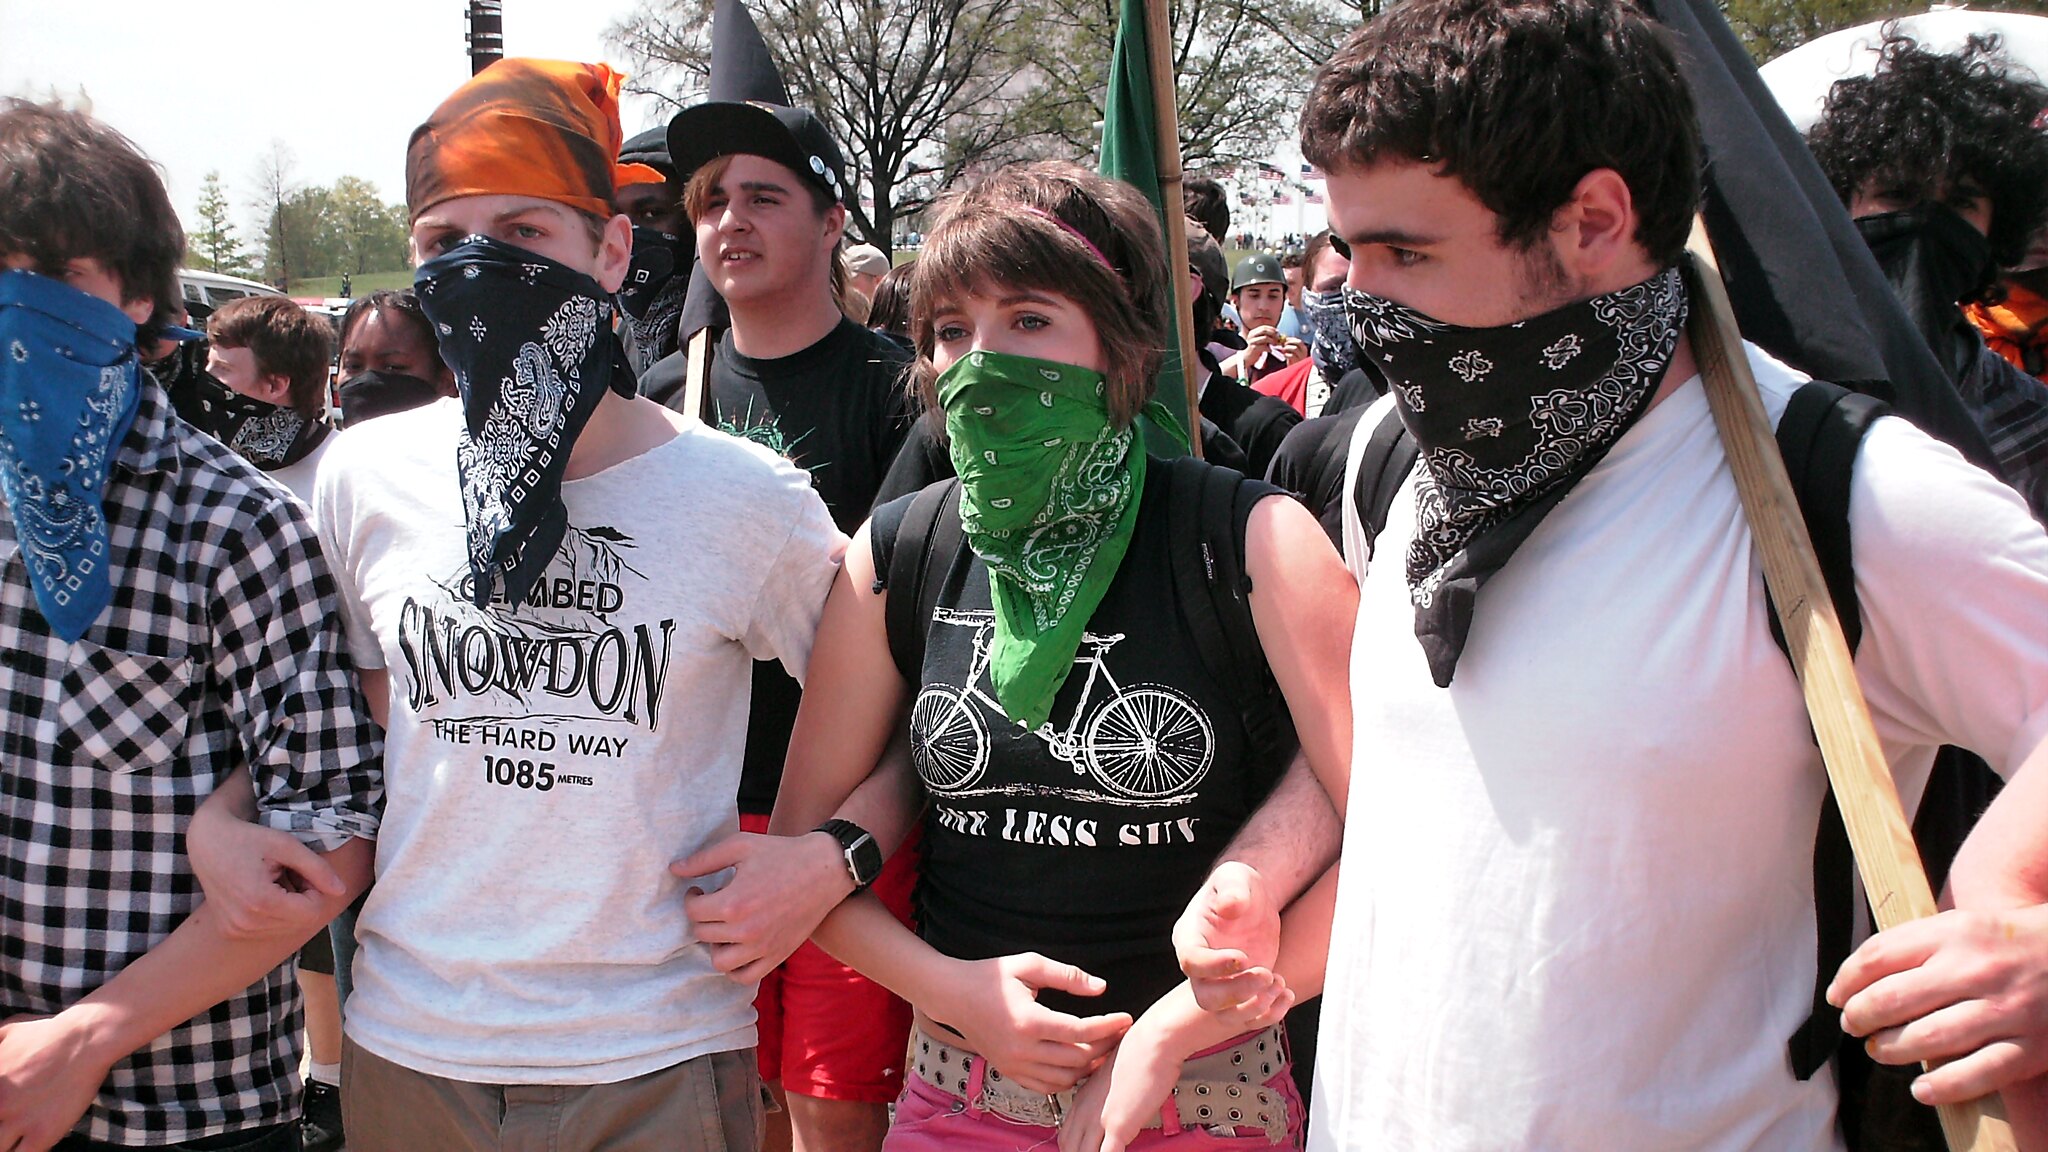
(372, 233)
(215, 247)
(1241, 69)
(321, 231)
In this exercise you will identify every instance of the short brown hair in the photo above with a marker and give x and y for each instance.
(285, 339)
(1310, 253)
(72, 188)
(994, 234)
(1518, 100)
(704, 181)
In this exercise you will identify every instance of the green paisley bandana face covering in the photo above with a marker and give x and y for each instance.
(1048, 499)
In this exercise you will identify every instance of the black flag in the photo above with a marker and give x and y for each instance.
(1805, 287)
(741, 69)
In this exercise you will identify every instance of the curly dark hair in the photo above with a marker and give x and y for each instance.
(1518, 100)
(1926, 122)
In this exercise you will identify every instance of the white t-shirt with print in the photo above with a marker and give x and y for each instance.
(544, 765)
(1577, 908)
(298, 476)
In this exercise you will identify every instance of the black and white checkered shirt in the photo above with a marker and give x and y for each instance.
(222, 648)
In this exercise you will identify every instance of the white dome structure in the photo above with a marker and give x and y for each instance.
(1800, 79)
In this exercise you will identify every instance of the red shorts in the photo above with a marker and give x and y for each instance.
(827, 1031)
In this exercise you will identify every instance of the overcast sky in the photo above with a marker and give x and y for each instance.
(208, 84)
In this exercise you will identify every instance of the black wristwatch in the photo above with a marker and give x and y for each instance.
(863, 856)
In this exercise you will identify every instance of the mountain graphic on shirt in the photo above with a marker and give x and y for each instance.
(567, 642)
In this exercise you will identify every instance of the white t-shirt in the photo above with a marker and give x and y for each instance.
(298, 475)
(544, 766)
(1577, 904)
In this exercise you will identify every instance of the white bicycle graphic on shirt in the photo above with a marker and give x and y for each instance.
(1146, 742)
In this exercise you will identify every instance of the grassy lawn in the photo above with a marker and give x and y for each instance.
(362, 285)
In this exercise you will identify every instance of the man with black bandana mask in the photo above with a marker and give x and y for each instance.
(268, 357)
(1941, 159)
(560, 656)
(1577, 907)
(663, 252)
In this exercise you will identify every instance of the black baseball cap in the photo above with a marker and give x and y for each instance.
(649, 148)
(792, 137)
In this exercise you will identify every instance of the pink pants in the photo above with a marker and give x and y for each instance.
(930, 1119)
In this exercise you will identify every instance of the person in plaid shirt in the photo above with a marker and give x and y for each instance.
(165, 619)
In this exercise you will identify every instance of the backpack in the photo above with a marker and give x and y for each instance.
(1819, 436)
(1207, 509)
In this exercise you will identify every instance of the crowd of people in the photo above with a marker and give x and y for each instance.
(889, 736)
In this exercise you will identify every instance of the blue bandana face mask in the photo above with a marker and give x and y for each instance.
(68, 392)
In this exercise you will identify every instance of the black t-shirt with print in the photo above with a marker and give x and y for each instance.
(1085, 840)
(838, 410)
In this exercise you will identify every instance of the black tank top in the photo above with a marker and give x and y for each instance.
(1085, 840)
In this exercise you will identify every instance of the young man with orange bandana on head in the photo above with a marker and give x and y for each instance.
(562, 665)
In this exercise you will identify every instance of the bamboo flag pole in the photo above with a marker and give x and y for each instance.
(697, 373)
(1886, 856)
(1166, 125)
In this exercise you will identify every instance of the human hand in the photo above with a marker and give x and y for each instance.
(261, 882)
(993, 1005)
(1965, 989)
(49, 1074)
(782, 887)
(1136, 1083)
(1228, 939)
(1116, 1103)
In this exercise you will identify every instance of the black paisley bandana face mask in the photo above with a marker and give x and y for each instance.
(1328, 329)
(652, 296)
(533, 350)
(269, 436)
(1508, 419)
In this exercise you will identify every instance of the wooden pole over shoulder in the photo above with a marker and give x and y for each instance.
(1886, 856)
(697, 373)
(1166, 125)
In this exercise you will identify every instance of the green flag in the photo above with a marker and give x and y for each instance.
(1130, 152)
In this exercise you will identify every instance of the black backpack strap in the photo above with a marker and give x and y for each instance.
(904, 536)
(1208, 509)
(1819, 436)
(1389, 457)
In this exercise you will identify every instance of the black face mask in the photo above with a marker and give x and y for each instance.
(652, 296)
(1934, 260)
(267, 435)
(533, 350)
(367, 395)
(1508, 420)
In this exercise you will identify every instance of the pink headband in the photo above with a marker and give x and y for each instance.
(1076, 234)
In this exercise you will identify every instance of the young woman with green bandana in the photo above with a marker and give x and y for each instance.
(1079, 767)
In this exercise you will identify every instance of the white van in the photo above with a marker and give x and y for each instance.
(213, 289)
